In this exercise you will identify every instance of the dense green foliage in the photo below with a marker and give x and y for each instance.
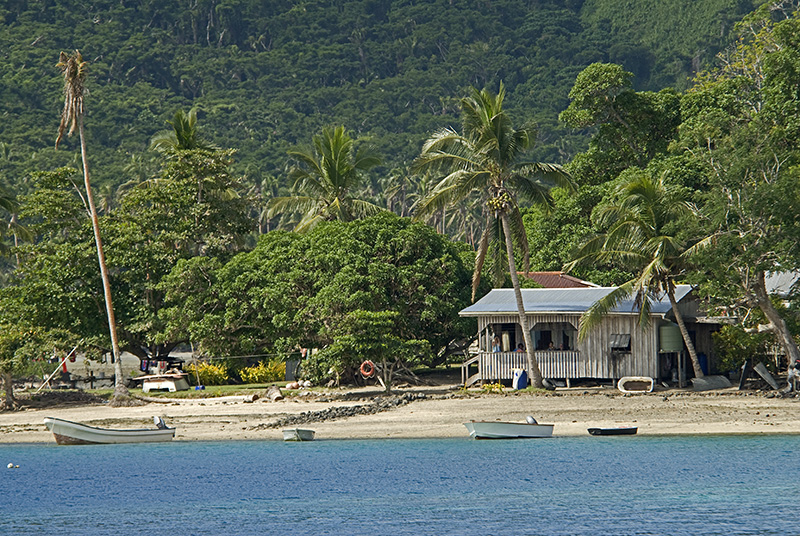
(264, 77)
(305, 290)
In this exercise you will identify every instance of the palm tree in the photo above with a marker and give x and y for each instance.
(184, 134)
(74, 70)
(326, 179)
(486, 159)
(643, 223)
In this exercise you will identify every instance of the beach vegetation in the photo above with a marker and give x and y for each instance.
(315, 290)
(209, 373)
(193, 208)
(493, 388)
(740, 130)
(265, 372)
(733, 346)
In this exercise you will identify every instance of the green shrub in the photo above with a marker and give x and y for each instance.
(210, 374)
(264, 372)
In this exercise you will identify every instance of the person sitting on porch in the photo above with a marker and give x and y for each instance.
(550, 346)
(496, 345)
(520, 347)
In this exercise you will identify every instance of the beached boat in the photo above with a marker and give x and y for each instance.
(620, 430)
(73, 433)
(298, 434)
(508, 430)
(636, 384)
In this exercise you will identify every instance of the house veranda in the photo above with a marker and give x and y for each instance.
(617, 347)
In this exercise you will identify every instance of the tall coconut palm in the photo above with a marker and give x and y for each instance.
(326, 179)
(74, 69)
(644, 236)
(487, 159)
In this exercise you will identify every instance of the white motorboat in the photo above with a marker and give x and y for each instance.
(298, 434)
(508, 430)
(73, 433)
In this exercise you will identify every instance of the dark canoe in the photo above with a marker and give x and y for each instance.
(624, 430)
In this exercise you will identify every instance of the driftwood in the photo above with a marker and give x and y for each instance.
(274, 393)
(169, 400)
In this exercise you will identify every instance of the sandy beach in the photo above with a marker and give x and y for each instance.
(429, 412)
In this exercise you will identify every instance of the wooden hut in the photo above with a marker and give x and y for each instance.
(617, 347)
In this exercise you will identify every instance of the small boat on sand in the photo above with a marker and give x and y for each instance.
(620, 430)
(73, 433)
(635, 384)
(298, 434)
(508, 430)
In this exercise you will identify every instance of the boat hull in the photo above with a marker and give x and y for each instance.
(623, 430)
(635, 384)
(507, 430)
(298, 434)
(73, 433)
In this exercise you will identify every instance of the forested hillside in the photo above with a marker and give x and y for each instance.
(265, 76)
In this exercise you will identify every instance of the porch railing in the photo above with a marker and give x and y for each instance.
(499, 366)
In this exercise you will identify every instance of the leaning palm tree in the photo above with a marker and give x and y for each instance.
(326, 179)
(487, 159)
(74, 70)
(643, 222)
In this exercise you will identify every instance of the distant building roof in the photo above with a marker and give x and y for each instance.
(556, 280)
(563, 300)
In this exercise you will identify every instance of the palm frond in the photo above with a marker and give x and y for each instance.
(553, 175)
(520, 237)
(280, 205)
(451, 189)
(308, 222)
(599, 309)
(74, 71)
(587, 253)
(364, 209)
(532, 191)
(480, 258)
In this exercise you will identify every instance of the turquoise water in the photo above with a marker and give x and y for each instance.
(639, 485)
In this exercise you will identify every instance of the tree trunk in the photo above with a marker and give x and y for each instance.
(120, 391)
(533, 365)
(8, 390)
(777, 323)
(386, 372)
(698, 371)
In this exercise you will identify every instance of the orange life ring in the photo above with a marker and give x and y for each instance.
(367, 369)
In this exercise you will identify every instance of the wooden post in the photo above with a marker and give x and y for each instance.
(47, 381)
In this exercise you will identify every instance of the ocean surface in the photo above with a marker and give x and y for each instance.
(635, 485)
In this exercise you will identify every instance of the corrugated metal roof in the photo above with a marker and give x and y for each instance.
(556, 280)
(560, 300)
